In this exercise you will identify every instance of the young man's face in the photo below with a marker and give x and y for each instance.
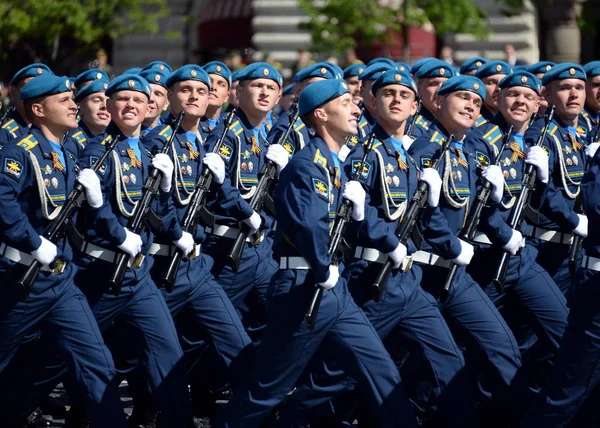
(191, 96)
(128, 109)
(258, 95)
(459, 109)
(491, 83)
(518, 103)
(428, 88)
(568, 96)
(158, 101)
(394, 104)
(93, 110)
(219, 93)
(340, 116)
(354, 88)
(592, 93)
(58, 110)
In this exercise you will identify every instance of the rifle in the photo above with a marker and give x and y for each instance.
(577, 240)
(470, 228)
(197, 202)
(335, 236)
(63, 223)
(408, 222)
(263, 191)
(516, 215)
(141, 212)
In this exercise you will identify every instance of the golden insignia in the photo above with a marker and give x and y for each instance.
(105, 85)
(321, 187)
(548, 67)
(476, 86)
(225, 150)
(478, 64)
(323, 70)
(399, 77)
(265, 71)
(360, 70)
(68, 84)
(157, 77)
(572, 71)
(99, 76)
(131, 83)
(193, 73)
(442, 71)
(161, 67)
(498, 67)
(39, 70)
(14, 167)
(524, 79)
(218, 68)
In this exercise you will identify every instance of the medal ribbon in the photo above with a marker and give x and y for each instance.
(574, 143)
(517, 152)
(56, 162)
(461, 159)
(255, 147)
(135, 162)
(194, 154)
(336, 181)
(400, 159)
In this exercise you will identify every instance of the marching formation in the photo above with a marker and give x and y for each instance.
(393, 245)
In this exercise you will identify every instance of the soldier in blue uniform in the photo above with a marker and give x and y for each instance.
(471, 65)
(591, 112)
(539, 69)
(140, 310)
(245, 151)
(490, 74)
(351, 74)
(367, 77)
(88, 76)
(565, 89)
(430, 77)
(220, 78)
(16, 123)
(406, 316)
(158, 101)
(527, 285)
(36, 177)
(307, 197)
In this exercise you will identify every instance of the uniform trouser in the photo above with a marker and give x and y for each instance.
(554, 258)
(150, 332)
(202, 313)
(405, 317)
(576, 371)
(346, 335)
(491, 349)
(61, 312)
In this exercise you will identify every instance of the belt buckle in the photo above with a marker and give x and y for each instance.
(407, 263)
(137, 262)
(58, 266)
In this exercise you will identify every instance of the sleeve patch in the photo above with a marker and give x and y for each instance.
(426, 162)
(93, 160)
(226, 151)
(482, 159)
(321, 189)
(289, 147)
(13, 168)
(366, 170)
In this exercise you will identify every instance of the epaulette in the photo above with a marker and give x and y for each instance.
(420, 121)
(437, 137)
(552, 128)
(80, 138)
(493, 135)
(585, 114)
(320, 159)
(11, 126)
(363, 122)
(480, 121)
(106, 140)
(237, 128)
(166, 132)
(28, 142)
(298, 125)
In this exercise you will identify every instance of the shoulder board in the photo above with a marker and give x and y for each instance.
(363, 122)
(493, 135)
(106, 140)
(11, 126)
(480, 121)
(28, 142)
(376, 144)
(79, 137)
(552, 128)
(166, 132)
(437, 137)
(420, 121)
(585, 114)
(237, 128)
(320, 159)
(298, 125)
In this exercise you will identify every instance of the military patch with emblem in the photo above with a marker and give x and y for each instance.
(366, 170)
(93, 160)
(321, 189)
(225, 151)
(288, 147)
(482, 159)
(426, 162)
(13, 168)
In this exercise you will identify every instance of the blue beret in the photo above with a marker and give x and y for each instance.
(160, 65)
(288, 90)
(518, 68)
(540, 67)
(493, 67)
(129, 82)
(133, 70)
(381, 60)
(156, 76)
(372, 72)
(394, 78)
(325, 70)
(189, 72)
(463, 83)
(91, 88)
(235, 76)
(353, 70)
(402, 66)
(420, 63)
(91, 74)
(216, 67)
(32, 70)
(521, 78)
(318, 93)
(44, 85)
(435, 68)
(564, 70)
(260, 70)
(592, 68)
(471, 64)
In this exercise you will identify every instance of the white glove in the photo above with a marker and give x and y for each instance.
(434, 182)
(407, 142)
(253, 222)
(343, 153)
(398, 255)
(582, 227)
(538, 158)
(186, 242)
(591, 150)
(334, 276)
(493, 174)
(466, 254)
(132, 244)
(90, 181)
(214, 162)
(163, 163)
(45, 253)
(278, 155)
(354, 192)
(515, 243)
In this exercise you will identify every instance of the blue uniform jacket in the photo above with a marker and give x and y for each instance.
(299, 136)
(422, 122)
(13, 126)
(590, 194)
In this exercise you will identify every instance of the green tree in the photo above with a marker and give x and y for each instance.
(41, 25)
(337, 24)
